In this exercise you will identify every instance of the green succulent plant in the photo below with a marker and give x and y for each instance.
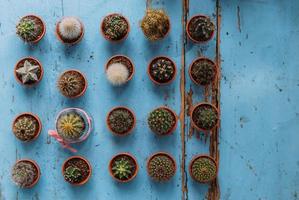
(24, 173)
(28, 73)
(161, 168)
(71, 83)
(72, 174)
(120, 120)
(122, 168)
(205, 117)
(201, 28)
(115, 27)
(204, 169)
(29, 29)
(203, 72)
(161, 121)
(162, 70)
(25, 128)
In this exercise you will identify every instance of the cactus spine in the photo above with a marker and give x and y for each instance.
(72, 174)
(203, 71)
(204, 169)
(25, 128)
(161, 121)
(29, 28)
(161, 167)
(71, 83)
(122, 168)
(201, 28)
(115, 27)
(24, 173)
(162, 70)
(205, 116)
(120, 120)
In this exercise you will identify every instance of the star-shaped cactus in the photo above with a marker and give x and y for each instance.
(28, 72)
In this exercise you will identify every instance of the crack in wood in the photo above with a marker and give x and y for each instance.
(239, 18)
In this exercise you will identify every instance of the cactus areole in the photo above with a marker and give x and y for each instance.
(121, 121)
(31, 29)
(200, 28)
(204, 116)
(162, 70)
(115, 27)
(203, 168)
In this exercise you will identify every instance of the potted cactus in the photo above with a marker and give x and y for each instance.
(31, 29)
(28, 71)
(119, 70)
(72, 84)
(161, 70)
(115, 27)
(123, 167)
(203, 168)
(162, 121)
(200, 28)
(202, 71)
(25, 173)
(69, 30)
(26, 127)
(204, 116)
(76, 170)
(161, 166)
(121, 121)
(155, 24)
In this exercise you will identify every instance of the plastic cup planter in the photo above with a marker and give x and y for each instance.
(203, 168)
(206, 26)
(69, 30)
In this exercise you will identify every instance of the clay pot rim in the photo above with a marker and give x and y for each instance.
(41, 71)
(202, 104)
(35, 117)
(109, 39)
(164, 154)
(125, 108)
(207, 59)
(202, 156)
(166, 58)
(43, 25)
(123, 56)
(188, 24)
(59, 36)
(86, 161)
(123, 154)
(37, 168)
(85, 81)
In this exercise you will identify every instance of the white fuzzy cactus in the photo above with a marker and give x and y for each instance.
(70, 28)
(117, 73)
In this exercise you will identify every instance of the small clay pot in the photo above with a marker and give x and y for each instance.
(37, 169)
(33, 116)
(189, 35)
(60, 38)
(125, 108)
(86, 161)
(149, 72)
(109, 39)
(20, 62)
(120, 155)
(43, 25)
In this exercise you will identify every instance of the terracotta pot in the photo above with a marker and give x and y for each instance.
(196, 60)
(59, 37)
(35, 117)
(43, 25)
(150, 76)
(125, 108)
(82, 158)
(189, 35)
(136, 165)
(37, 168)
(106, 37)
(202, 156)
(22, 61)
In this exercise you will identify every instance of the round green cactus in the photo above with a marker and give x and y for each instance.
(122, 168)
(162, 70)
(203, 71)
(205, 116)
(29, 28)
(24, 173)
(204, 169)
(120, 120)
(71, 83)
(72, 174)
(161, 121)
(25, 128)
(115, 27)
(201, 28)
(161, 167)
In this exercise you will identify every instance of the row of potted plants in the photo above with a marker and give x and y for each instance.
(115, 28)
(123, 167)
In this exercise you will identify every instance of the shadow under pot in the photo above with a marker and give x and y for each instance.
(28, 71)
(203, 168)
(161, 166)
(203, 71)
(121, 121)
(204, 116)
(162, 121)
(70, 30)
(76, 170)
(200, 28)
(26, 127)
(31, 29)
(115, 27)
(25, 173)
(123, 167)
(119, 70)
(161, 70)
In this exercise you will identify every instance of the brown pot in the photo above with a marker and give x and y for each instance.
(125, 108)
(202, 58)
(37, 168)
(189, 35)
(202, 156)
(22, 61)
(82, 158)
(59, 37)
(35, 117)
(134, 160)
(43, 25)
(107, 38)
(150, 64)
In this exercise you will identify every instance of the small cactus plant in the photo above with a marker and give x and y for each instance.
(119, 70)
(115, 27)
(162, 70)
(203, 71)
(70, 30)
(28, 71)
(203, 169)
(205, 116)
(200, 28)
(72, 174)
(72, 84)
(155, 24)
(161, 121)
(30, 28)
(26, 127)
(161, 167)
(24, 173)
(123, 167)
(76, 170)
(121, 120)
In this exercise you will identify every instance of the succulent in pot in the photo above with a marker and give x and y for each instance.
(203, 168)
(121, 121)
(123, 167)
(70, 30)
(31, 29)
(28, 71)
(202, 71)
(162, 70)
(119, 70)
(115, 27)
(25, 173)
(200, 28)
(26, 127)
(72, 83)
(155, 24)
(76, 170)
(161, 166)
(204, 116)
(162, 121)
